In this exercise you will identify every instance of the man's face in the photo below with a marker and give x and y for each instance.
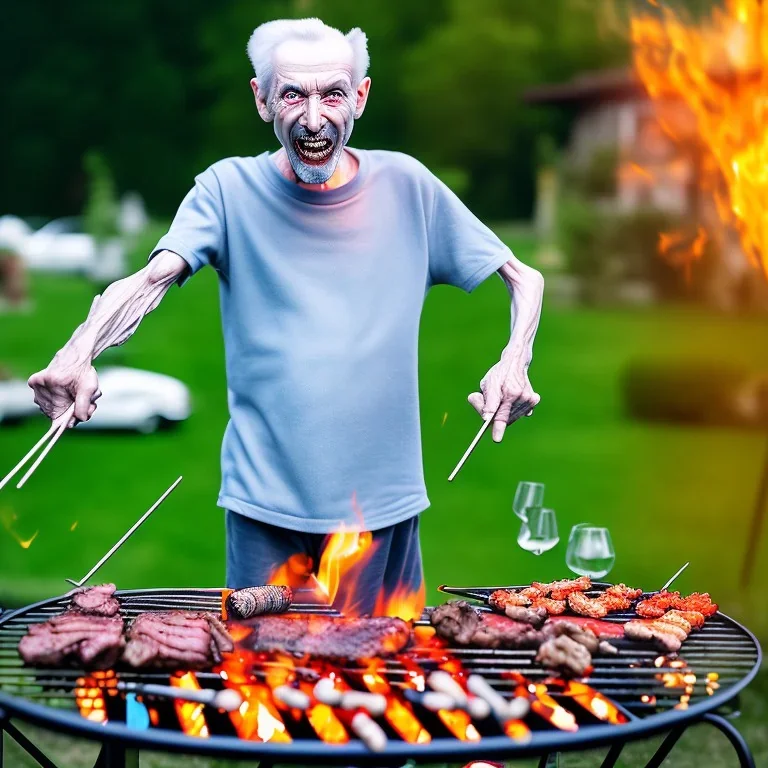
(313, 103)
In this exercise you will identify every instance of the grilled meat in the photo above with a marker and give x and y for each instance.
(460, 623)
(667, 633)
(657, 605)
(564, 654)
(552, 607)
(255, 601)
(603, 629)
(616, 598)
(694, 618)
(582, 635)
(515, 605)
(176, 639)
(593, 607)
(559, 590)
(96, 601)
(72, 637)
(328, 636)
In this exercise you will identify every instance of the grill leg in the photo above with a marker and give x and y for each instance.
(117, 756)
(7, 727)
(613, 755)
(666, 747)
(550, 760)
(737, 740)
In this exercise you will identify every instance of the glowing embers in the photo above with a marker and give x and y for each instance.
(89, 694)
(403, 603)
(190, 713)
(543, 704)
(680, 676)
(708, 80)
(399, 713)
(258, 718)
(593, 701)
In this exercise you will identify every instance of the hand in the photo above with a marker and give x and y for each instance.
(60, 384)
(505, 391)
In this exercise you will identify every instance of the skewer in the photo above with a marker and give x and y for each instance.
(55, 431)
(471, 448)
(226, 699)
(125, 536)
(669, 583)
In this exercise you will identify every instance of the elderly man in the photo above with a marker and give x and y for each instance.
(324, 255)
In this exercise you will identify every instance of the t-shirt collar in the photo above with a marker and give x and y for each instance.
(313, 196)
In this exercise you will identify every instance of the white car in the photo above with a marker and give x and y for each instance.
(132, 399)
(60, 246)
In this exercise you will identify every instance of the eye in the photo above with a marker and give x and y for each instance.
(335, 95)
(290, 96)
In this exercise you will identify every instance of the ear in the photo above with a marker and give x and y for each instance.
(261, 104)
(362, 96)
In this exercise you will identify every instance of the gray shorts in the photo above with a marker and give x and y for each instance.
(256, 549)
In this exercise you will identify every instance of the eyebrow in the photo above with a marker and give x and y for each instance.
(340, 85)
(291, 87)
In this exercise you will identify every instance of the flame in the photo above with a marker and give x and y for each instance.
(89, 694)
(190, 714)
(294, 572)
(343, 550)
(323, 719)
(399, 713)
(257, 719)
(594, 701)
(542, 703)
(406, 603)
(709, 83)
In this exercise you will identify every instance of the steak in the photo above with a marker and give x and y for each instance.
(176, 639)
(328, 636)
(96, 601)
(460, 623)
(75, 638)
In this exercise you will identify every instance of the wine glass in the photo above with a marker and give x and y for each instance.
(527, 495)
(590, 551)
(538, 533)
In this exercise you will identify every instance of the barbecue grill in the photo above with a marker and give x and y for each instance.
(634, 680)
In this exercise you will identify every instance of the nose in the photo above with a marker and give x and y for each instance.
(312, 120)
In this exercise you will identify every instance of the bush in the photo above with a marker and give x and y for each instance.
(695, 392)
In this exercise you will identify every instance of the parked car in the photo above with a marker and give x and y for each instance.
(132, 399)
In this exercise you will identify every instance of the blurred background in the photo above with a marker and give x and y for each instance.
(615, 146)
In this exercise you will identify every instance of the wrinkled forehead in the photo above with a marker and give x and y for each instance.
(309, 63)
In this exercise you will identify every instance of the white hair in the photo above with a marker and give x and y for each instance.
(268, 36)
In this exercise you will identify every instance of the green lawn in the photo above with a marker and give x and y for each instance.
(668, 493)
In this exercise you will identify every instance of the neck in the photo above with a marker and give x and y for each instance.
(345, 171)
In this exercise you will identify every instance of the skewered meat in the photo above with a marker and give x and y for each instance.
(657, 605)
(176, 639)
(95, 641)
(603, 629)
(559, 590)
(619, 597)
(328, 636)
(96, 601)
(255, 601)
(566, 656)
(616, 598)
(460, 623)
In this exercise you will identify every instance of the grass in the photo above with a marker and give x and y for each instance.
(668, 493)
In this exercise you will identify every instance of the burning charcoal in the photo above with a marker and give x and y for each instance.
(255, 601)
(96, 601)
(93, 641)
(569, 658)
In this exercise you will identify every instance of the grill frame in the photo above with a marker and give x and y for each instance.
(312, 752)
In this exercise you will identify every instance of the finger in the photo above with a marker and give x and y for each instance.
(96, 395)
(91, 409)
(476, 400)
(492, 401)
(498, 430)
(82, 403)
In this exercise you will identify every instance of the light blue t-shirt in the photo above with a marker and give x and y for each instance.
(321, 296)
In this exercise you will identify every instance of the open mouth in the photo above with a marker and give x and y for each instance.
(313, 151)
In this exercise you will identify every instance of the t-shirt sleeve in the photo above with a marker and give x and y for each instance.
(197, 231)
(462, 250)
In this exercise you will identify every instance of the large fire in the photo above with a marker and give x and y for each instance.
(709, 82)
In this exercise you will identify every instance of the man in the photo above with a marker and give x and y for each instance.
(324, 255)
